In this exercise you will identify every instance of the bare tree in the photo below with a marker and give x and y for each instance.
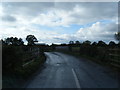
(117, 36)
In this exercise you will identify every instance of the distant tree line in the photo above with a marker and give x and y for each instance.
(12, 41)
(100, 51)
(31, 39)
(87, 42)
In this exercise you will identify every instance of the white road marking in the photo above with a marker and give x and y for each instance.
(76, 79)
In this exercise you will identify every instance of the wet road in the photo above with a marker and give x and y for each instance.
(65, 71)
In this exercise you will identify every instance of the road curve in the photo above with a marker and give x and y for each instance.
(65, 71)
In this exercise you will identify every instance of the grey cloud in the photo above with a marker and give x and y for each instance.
(33, 8)
(68, 6)
(27, 8)
(8, 18)
(92, 11)
(58, 38)
(96, 11)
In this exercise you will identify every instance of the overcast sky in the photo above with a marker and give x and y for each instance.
(57, 22)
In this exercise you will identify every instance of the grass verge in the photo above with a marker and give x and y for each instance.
(22, 74)
(95, 60)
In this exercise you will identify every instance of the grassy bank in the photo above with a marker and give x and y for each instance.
(77, 54)
(93, 59)
(17, 78)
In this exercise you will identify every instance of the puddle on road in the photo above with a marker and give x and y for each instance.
(58, 64)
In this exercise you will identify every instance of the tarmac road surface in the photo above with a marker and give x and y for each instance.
(65, 71)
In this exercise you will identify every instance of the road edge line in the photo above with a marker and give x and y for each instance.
(76, 79)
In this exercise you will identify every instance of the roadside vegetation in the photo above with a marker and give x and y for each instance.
(19, 61)
(99, 52)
